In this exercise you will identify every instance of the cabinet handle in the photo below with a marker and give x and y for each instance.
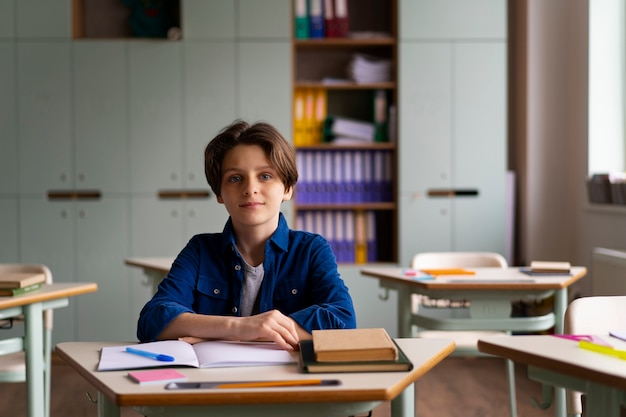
(453, 192)
(183, 194)
(74, 194)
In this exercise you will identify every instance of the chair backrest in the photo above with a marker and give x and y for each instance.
(595, 315)
(458, 260)
(36, 268)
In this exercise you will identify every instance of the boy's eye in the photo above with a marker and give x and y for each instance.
(266, 176)
(234, 178)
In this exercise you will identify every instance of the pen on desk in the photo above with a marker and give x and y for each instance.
(606, 350)
(252, 384)
(146, 354)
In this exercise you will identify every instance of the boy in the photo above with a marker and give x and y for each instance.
(258, 279)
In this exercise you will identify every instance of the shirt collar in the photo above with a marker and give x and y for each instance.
(280, 237)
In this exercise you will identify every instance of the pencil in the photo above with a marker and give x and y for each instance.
(264, 384)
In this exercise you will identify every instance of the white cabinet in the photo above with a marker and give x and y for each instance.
(155, 105)
(42, 19)
(83, 242)
(44, 116)
(209, 102)
(8, 120)
(453, 113)
(100, 116)
(264, 93)
(9, 226)
(208, 19)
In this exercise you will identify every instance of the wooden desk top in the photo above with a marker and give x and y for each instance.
(154, 264)
(380, 386)
(562, 356)
(484, 279)
(49, 292)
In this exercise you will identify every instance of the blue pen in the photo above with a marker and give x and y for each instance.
(157, 356)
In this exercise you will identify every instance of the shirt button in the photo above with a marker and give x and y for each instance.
(216, 291)
(294, 291)
(237, 267)
(234, 309)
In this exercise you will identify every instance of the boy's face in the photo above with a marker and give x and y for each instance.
(252, 191)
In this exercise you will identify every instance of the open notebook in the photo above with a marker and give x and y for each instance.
(210, 354)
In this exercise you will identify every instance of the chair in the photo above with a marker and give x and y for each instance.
(591, 315)
(465, 340)
(12, 356)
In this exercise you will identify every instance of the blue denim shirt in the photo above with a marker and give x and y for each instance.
(301, 281)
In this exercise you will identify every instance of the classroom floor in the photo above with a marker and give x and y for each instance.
(457, 387)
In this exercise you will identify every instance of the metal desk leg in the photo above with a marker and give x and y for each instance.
(404, 404)
(106, 408)
(33, 317)
(404, 314)
(560, 304)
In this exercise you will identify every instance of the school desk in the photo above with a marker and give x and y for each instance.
(154, 268)
(357, 392)
(561, 362)
(31, 305)
(489, 292)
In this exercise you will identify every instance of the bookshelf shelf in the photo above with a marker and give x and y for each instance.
(348, 190)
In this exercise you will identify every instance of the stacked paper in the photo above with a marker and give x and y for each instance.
(368, 69)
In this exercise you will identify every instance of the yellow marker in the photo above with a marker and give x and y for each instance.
(606, 350)
(265, 384)
(448, 271)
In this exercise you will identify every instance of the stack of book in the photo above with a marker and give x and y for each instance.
(352, 350)
(17, 283)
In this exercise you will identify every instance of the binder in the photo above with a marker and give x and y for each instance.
(329, 230)
(368, 176)
(329, 19)
(342, 20)
(309, 116)
(299, 125)
(301, 19)
(348, 194)
(338, 179)
(318, 220)
(380, 116)
(318, 177)
(316, 19)
(349, 236)
(319, 115)
(340, 236)
(310, 184)
(360, 237)
(379, 172)
(300, 191)
(327, 177)
(388, 178)
(358, 171)
(372, 250)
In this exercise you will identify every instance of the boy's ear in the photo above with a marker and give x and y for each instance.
(219, 199)
(288, 194)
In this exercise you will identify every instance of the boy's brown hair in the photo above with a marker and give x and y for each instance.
(279, 152)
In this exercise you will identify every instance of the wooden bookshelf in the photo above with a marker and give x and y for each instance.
(320, 66)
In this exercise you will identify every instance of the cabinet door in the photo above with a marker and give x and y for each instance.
(44, 116)
(47, 236)
(265, 77)
(9, 242)
(203, 216)
(155, 108)
(480, 143)
(102, 243)
(208, 19)
(209, 103)
(101, 116)
(453, 19)
(43, 19)
(264, 19)
(8, 120)
(7, 19)
(157, 227)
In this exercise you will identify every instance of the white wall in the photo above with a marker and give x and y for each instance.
(550, 114)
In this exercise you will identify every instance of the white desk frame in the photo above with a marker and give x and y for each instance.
(154, 268)
(32, 306)
(560, 362)
(358, 392)
(490, 293)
